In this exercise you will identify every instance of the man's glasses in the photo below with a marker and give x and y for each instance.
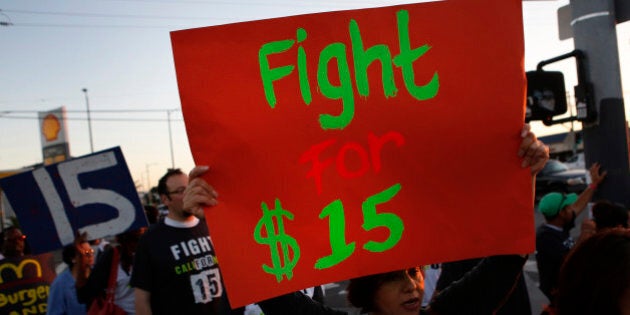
(177, 191)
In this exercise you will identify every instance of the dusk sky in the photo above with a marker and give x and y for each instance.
(120, 51)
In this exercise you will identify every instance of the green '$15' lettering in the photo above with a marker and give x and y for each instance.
(371, 220)
(285, 252)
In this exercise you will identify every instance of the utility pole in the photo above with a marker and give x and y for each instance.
(149, 194)
(170, 137)
(89, 120)
(605, 141)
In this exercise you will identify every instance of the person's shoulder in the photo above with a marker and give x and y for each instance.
(66, 272)
(154, 229)
(194, 227)
(202, 224)
(546, 235)
(153, 233)
(547, 230)
(542, 232)
(62, 279)
(161, 230)
(542, 228)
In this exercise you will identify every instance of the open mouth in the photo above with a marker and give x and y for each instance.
(412, 304)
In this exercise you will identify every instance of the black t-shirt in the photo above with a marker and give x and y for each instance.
(177, 265)
(552, 245)
(518, 301)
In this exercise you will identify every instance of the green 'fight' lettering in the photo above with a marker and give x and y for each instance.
(362, 58)
(405, 61)
(343, 91)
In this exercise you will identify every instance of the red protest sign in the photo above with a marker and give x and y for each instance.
(357, 142)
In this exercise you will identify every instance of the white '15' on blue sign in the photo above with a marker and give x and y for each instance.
(94, 194)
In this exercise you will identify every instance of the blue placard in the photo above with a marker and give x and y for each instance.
(93, 193)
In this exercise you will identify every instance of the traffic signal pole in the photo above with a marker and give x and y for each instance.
(605, 141)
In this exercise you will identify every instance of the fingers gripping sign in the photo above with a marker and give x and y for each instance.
(533, 152)
(199, 193)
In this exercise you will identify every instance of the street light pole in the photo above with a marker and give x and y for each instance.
(170, 138)
(87, 103)
(148, 179)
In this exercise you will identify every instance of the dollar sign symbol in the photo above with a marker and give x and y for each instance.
(276, 238)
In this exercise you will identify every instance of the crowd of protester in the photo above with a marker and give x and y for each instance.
(589, 275)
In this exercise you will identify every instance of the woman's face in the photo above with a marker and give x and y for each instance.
(85, 255)
(401, 294)
(14, 243)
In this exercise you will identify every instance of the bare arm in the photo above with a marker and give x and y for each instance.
(583, 199)
(143, 302)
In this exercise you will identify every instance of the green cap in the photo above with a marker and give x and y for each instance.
(553, 202)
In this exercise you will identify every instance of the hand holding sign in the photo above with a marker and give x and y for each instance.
(200, 194)
(535, 154)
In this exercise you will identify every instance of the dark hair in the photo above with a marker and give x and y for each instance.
(595, 275)
(609, 215)
(7, 230)
(362, 290)
(11, 252)
(68, 254)
(161, 188)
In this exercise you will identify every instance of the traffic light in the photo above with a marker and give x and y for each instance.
(546, 96)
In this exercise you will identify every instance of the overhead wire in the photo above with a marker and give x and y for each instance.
(99, 119)
(5, 23)
(163, 17)
(101, 15)
(10, 114)
(97, 111)
(254, 3)
(95, 25)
